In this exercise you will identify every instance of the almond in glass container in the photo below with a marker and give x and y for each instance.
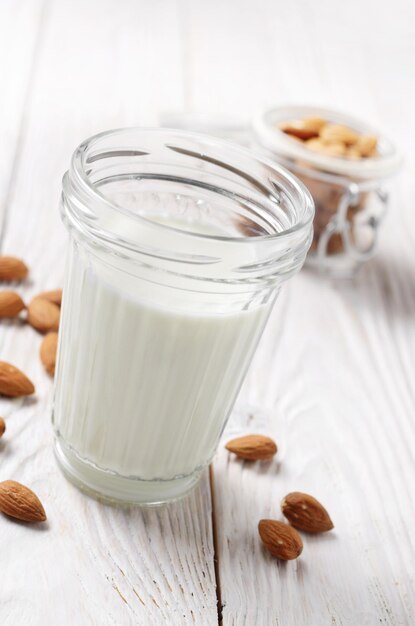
(338, 133)
(314, 122)
(331, 149)
(366, 145)
(299, 130)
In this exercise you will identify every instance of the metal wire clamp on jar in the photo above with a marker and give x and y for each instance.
(346, 236)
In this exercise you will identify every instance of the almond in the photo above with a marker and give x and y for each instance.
(48, 349)
(281, 540)
(314, 123)
(10, 304)
(2, 427)
(54, 296)
(20, 502)
(252, 447)
(306, 513)
(13, 382)
(43, 315)
(12, 268)
(297, 128)
(367, 145)
(332, 149)
(353, 152)
(337, 133)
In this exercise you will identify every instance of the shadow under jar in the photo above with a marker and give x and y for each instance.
(349, 194)
(178, 246)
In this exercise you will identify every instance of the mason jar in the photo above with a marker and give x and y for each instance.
(178, 246)
(350, 194)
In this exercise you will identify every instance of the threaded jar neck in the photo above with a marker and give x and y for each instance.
(188, 204)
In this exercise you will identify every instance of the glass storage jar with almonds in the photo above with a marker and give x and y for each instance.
(344, 163)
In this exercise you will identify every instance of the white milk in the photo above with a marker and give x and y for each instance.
(144, 391)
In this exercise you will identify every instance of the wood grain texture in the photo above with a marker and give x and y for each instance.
(332, 381)
(345, 437)
(20, 30)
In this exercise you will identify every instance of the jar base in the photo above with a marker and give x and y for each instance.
(116, 489)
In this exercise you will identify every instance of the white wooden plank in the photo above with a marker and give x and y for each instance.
(20, 29)
(100, 64)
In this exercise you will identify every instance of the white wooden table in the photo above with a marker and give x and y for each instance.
(333, 380)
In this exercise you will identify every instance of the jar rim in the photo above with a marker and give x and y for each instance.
(265, 127)
(298, 193)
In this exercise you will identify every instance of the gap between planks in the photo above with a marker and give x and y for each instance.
(215, 545)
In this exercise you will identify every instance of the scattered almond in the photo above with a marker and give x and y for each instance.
(306, 513)
(54, 296)
(43, 315)
(10, 304)
(252, 447)
(48, 349)
(12, 268)
(282, 540)
(13, 383)
(20, 502)
(2, 427)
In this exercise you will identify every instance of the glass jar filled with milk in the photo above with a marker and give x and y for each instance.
(178, 246)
